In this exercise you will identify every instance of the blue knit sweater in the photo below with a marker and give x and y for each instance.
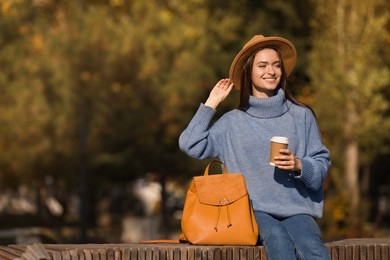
(242, 141)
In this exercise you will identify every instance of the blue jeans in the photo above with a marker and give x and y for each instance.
(295, 237)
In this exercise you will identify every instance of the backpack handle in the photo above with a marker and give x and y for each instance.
(224, 169)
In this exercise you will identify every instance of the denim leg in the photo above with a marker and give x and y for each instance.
(274, 236)
(307, 237)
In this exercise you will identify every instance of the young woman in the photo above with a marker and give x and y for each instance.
(287, 198)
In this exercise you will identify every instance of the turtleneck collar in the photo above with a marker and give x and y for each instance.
(268, 107)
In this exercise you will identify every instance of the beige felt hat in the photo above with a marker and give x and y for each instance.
(285, 47)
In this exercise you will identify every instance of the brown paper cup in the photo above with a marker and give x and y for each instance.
(277, 142)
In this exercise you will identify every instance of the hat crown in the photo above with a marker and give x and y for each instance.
(254, 39)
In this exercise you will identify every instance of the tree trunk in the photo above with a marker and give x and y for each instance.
(365, 181)
(352, 174)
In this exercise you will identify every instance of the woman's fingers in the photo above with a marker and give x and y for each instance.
(219, 93)
(287, 161)
(224, 84)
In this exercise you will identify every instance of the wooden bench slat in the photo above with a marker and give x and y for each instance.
(38, 251)
(9, 253)
(87, 254)
(65, 255)
(117, 255)
(55, 255)
(110, 254)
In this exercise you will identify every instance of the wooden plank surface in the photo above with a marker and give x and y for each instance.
(348, 249)
(8, 253)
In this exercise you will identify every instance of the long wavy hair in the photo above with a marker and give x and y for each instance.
(246, 81)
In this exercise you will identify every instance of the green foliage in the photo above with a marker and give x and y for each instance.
(347, 71)
(349, 77)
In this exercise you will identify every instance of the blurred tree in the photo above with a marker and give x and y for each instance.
(141, 72)
(348, 75)
(25, 101)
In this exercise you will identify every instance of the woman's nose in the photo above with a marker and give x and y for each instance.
(270, 70)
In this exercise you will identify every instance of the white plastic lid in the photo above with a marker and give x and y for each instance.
(279, 139)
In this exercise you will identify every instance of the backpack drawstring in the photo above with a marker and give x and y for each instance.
(223, 202)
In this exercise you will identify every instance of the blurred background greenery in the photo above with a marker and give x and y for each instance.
(94, 94)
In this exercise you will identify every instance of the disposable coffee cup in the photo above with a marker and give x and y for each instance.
(277, 142)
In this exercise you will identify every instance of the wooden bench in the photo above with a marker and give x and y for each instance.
(348, 249)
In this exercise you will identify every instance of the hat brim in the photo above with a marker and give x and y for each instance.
(285, 47)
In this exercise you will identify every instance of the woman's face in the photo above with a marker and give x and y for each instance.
(266, 73)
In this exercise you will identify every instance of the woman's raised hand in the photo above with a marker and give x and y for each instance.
(219, 93)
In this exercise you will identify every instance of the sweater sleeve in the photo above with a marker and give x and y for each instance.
(196, 140)
(316, 161)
